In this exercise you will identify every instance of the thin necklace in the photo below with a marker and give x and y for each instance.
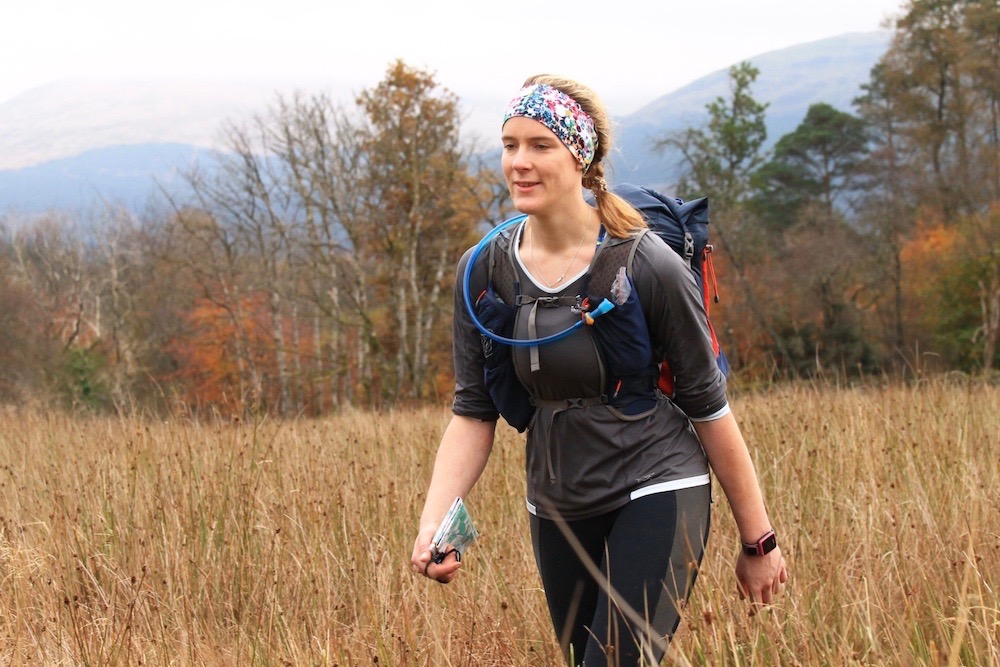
(531, 256)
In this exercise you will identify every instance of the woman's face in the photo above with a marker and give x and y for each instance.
(540, 171)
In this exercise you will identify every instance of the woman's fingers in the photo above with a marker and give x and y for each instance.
(760, 579)
(443, 572)
(422, 563)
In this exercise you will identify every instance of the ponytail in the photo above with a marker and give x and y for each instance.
(619, 217)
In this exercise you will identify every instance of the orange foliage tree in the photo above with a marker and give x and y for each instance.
(953, 288)
(208, 369)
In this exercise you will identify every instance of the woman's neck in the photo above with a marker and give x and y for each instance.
(557, 248)
(557, 232)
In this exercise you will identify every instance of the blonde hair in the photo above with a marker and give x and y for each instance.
(617, 215)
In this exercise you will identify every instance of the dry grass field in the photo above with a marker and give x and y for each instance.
(131, 541)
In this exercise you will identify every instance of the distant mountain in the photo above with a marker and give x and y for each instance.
(790, 80)
(118, 175)
(67, 118)
(71, 145)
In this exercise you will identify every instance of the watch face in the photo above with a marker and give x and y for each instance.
(763, 546)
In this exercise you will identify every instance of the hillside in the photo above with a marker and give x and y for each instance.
(121, 175)
(830, 70)
(72, 145)
(67, 118)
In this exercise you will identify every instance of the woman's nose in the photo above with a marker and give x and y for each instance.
(519, 160)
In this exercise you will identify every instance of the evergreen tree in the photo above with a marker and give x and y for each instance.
(815, 164)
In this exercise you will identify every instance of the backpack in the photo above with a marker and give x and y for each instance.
(684, 227)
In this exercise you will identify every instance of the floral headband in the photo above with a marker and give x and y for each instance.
(560, 113)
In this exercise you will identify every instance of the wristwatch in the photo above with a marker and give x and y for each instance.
(764, 545)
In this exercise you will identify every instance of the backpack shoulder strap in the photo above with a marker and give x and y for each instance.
(632, 249)
(615, 254)
(502, 270)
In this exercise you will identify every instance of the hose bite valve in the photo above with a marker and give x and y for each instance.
(602, 308)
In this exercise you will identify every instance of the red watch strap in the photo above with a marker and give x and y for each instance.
(764, 545)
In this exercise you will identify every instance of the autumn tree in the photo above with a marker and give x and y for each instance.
(982, 27)
(931, 106)
(960, 308)
(802, 197)
(346, 224)
(886, 209)
(420, 209)
(254, 204)
(268, 221)
(50, 260)
(387, 198)
(982, 234)
(213, 257)
(941, 67)
(26, 354)
(117, 257)
(314, 144)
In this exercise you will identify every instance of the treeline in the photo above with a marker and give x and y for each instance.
(308, 268)
(866, 242)
(311, 266)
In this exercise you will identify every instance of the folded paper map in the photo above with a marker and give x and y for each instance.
(456, 530)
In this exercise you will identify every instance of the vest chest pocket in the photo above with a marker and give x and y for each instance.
(623, 341)
(509, 395)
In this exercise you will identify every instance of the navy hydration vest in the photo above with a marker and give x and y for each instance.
(621, 337)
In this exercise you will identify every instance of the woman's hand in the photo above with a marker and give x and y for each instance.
(463, 453)
(422, 563)
(760, 577)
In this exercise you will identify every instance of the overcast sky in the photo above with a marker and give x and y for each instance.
(622, 49)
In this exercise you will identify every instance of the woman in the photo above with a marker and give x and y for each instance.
(618, 485)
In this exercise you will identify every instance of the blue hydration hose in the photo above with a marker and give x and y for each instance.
(585, 318)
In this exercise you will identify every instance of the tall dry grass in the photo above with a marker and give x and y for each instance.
(130, 541)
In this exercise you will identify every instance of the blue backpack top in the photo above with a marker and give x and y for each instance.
(684, 227)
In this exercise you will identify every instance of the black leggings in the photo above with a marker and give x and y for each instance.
(648, 552)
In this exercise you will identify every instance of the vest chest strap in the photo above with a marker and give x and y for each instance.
(547, 301)
(569, 403)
